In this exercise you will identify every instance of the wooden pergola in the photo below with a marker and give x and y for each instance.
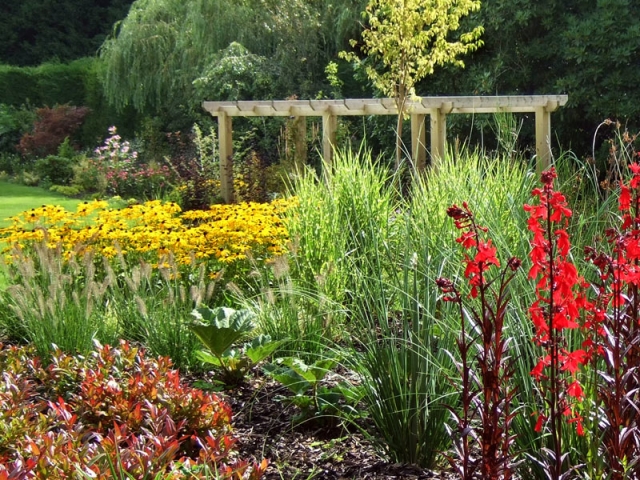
(436, 107)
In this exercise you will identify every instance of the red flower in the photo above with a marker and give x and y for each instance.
(573, 360)
(541, 419)
(538, 370)
(575, 390)
(563, 242)
(562, 321)
(624, 202)
(467, 239)
(486, 254)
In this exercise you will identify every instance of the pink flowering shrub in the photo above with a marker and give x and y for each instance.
(125, 175)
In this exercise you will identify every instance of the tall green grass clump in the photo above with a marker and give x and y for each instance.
(399, 351)
(339, 222)
(341, 214)
(405, 334)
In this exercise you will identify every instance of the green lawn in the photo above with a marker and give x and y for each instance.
(18, 198)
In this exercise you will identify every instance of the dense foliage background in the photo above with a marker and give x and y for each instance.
(158, 59)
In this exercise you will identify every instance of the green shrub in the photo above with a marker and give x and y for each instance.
(29, 178)
(46, 84)
(10, 163)
(19, 85)
(14, 123)
(67, 190)
(55, 169)
(88, 177)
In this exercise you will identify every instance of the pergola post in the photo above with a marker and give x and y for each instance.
(438, 135)
(418, 141)
(543, 139)
(300, 143)
(329, 129)
(225, 132)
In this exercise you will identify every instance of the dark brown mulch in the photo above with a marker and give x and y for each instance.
(263, 425)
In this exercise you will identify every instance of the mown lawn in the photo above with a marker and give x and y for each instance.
(18, 198)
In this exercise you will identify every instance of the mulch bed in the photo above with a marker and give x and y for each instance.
(264, 427)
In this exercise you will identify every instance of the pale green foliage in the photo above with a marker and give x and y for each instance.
(331, 70)
(206, 150)
(408, 39)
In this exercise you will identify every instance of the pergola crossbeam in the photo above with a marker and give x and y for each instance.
(436, 107)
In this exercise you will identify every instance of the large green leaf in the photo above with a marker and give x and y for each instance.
(206, 357)
(296, 375)
(221, 327)
(287, 377)
(312, 373)
(261, 347)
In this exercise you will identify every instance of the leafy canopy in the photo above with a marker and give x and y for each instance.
(407, 39)
(163, 46)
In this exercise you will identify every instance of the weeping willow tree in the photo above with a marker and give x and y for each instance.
(163, 46)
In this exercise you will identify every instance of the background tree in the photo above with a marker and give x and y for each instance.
(406, 40)
(164, 45)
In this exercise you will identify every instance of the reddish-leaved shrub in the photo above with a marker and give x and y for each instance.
(114, 414)
(50, 129)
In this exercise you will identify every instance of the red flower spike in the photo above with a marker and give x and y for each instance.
(624, 202)
(559, 304)
(487, 303)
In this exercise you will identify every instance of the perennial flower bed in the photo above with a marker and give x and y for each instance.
(220, 236)
(524, 365)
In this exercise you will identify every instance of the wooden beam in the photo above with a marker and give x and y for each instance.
(329, 129)
(543, 139)
(225, 133)
(418, 142)
(386, 106)
(300, 143)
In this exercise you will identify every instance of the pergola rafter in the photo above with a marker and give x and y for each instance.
(436, 107)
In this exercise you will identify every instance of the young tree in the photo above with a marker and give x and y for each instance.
(406, 40)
